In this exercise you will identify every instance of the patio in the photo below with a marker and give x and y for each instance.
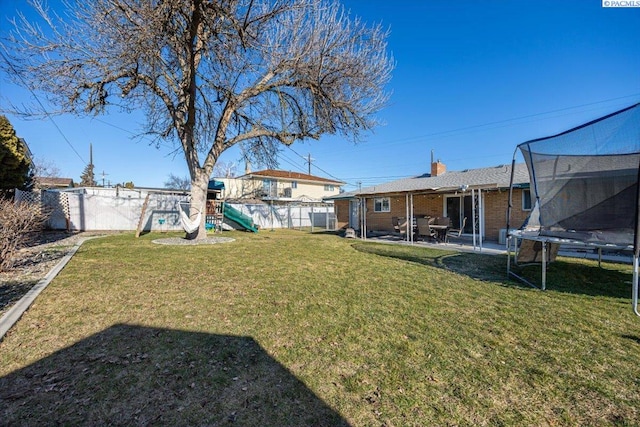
(492, 247)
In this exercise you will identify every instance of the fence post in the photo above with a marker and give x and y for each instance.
(326, 217)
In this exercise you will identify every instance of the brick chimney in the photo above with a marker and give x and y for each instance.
(438, 168)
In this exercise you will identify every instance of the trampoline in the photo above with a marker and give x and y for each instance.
(584, 189)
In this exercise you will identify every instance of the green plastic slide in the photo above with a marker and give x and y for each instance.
(239, 218)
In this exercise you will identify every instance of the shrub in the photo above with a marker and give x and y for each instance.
(19, 222)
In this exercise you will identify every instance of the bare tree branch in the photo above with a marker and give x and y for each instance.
(209, 74)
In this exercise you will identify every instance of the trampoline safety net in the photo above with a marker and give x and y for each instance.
(585, 180)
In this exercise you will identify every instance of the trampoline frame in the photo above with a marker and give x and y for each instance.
(514, 235)
(512, 251)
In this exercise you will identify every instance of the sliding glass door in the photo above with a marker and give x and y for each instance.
(460, 207)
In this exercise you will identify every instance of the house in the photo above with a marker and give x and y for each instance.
(479, 195)
(280, 186)
(46, 183)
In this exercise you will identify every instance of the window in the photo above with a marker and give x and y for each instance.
(294, 184)
(269, 187)
(526, 200)
(381, 204)
(328, 187)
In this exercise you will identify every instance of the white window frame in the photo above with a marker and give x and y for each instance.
(379, 204)
(329, 187)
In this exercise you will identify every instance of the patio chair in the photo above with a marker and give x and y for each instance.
(402, 225)
(456, 232)
(399, 224)
(424, 229)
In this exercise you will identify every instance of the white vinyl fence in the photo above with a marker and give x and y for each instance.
(109, 209)
(296, 216)
(89, 209)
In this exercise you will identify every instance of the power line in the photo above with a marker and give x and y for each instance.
(42, 106)
(518, 118)
(379, 177)
(152, 140)
(504, 123)
(291, 162)
(316, 166)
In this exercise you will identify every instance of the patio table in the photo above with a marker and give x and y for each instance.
(441, 230)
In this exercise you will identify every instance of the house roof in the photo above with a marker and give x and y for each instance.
(44, 181)
(483, 178)
(294, 176)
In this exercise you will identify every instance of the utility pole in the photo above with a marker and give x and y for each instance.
(103, 175)
(309, 160)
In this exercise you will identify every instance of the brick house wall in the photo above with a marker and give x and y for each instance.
(495, 211)
(341, 209)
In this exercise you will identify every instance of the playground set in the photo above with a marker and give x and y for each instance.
(218, 213)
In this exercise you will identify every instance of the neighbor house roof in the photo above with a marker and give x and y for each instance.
(294, 176)
(53, 182)
(484, 178)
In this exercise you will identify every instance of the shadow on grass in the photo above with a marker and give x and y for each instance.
(563, 275)
(477, 266)
(634, 338)
(577, 277)
(134, 375)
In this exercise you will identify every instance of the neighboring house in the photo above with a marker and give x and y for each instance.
(280, 186)
(46, 183)
(479, 195)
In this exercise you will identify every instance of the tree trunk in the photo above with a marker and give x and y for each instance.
(199, 185)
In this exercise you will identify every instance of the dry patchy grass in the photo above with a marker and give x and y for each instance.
(290, 328)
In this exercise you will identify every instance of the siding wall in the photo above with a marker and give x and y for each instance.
(238, 188)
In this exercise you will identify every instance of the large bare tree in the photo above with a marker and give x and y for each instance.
(209, 74)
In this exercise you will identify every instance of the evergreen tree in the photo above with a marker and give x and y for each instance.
(15, 163)
(87, 179)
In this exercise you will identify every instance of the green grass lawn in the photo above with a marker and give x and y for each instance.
(288, 328)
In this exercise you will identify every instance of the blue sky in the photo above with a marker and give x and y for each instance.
(473, 79)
